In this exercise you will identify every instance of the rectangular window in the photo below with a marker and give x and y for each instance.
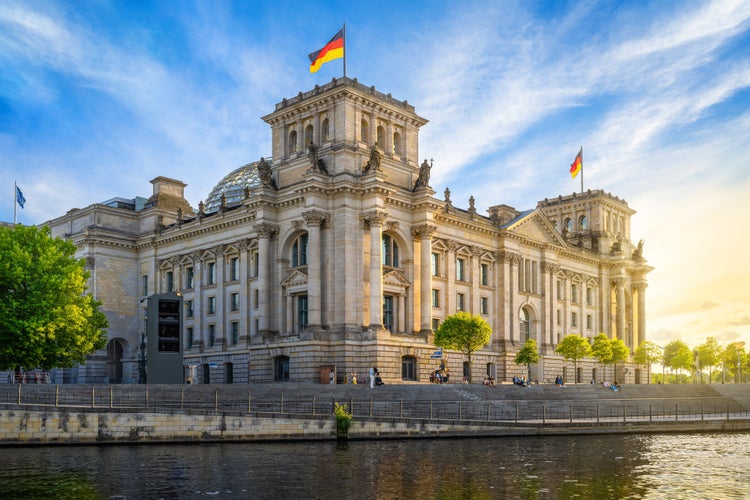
(484, 305)
(435, 298)
(211, 335)
(301, 311)
(234, 301)
(435, 264)
(460, 270)
(256, 297)
(256, 263)
(574, 293)
(574, 320)
(589, 296)
(190, 337)
(211, 273)
(189, 308)
(560, 290)
(388, 312)
(589, 322)
(435, 324)
(235, 328)
(484, 270)
(144, 284)
(189, 277)
(559, 316)
(211, 305)
(460, 302)
(170, 281)
(234, 269)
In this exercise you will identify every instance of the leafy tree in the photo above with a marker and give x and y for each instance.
(46, 318)
(677, 356)
(602, 350)
(574, 347)
(647, 353)
(708, 356)
(734, 357)
(463, 332)
(528, 355)
(620, 352)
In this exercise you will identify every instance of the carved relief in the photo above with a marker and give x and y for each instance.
(315, 218)
(425, 231)
(266, 230)
(375, 218)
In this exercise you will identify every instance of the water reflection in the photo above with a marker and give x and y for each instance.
(629, 466)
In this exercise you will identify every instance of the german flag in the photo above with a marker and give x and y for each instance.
(577, 164)
(332, 50)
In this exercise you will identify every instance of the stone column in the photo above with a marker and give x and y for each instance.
(475, 298)
(548, 298)
(424, 234)
(375, 219)
(641, 333)
(450, 272)
(220, 332)
(314, 220)
(265, 231)
(198, 314)
(401, 326)
(620, 284)
(244, 292)
(289, 313)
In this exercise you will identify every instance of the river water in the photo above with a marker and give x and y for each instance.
(652, 466)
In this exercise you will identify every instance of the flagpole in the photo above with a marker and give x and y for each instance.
(581, 169)
(15, 202)
(344, 50)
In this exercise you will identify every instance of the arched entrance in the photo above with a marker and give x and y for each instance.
(115, 348)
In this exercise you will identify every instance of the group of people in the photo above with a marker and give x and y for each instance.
(612, 385)
(488, 380)
(375, 377)
(439, 377)
(521, 381)
(559, 381)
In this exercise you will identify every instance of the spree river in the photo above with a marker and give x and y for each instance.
(656, 466)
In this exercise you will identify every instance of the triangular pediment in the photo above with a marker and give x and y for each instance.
(535, 226)
(295, 278)
(395, 279)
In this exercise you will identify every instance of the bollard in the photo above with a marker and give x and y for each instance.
(92, 398)
(182, 398)
(216, 400)
(57, 394)
(110, 396)
(19, 397)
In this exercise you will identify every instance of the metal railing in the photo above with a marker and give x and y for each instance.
(144, 398)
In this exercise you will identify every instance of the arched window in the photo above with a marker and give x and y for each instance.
(408, 368)
(390, 251)
(308, 134)
(569, 225)
(364, 132)
(397, 143)
(292, 142)
(299, 251)
(525, 318)
(583, 223)
(326, 130)
(281, 368)
(381, 137)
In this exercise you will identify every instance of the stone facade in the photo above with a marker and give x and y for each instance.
(339, 255)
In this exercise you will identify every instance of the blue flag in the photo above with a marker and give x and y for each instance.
(19, 197)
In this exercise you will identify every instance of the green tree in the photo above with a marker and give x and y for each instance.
(463, 332)
(602, 350)
(574, 347)
(528, 355)
(708, 356)
(647, 353)
(46, 318)
(620, 352)
(677, 356)
(735, 359)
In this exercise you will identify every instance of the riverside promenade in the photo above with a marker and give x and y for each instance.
(65, 414)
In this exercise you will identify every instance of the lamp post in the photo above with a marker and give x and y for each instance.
(142, 360)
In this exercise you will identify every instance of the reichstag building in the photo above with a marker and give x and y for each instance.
(335, 254)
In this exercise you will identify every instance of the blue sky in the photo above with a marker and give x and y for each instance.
(99, 97)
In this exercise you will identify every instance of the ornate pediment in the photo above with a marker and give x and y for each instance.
(394, 279)
(296, 278)
(535, 226)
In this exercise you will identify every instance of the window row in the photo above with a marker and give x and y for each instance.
(294, 146)
(484, 302)
(234, 304)
(575, 290)
(462, 273)
(211, 340)
(574, 320)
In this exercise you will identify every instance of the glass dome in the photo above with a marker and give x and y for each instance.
(232, 186)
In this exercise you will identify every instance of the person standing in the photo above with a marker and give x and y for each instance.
(332, 377)
(372, 376)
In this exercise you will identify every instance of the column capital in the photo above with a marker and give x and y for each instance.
(375, 218)
(315, 218)
(423, 231)
(266, 230)
(550, 267)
